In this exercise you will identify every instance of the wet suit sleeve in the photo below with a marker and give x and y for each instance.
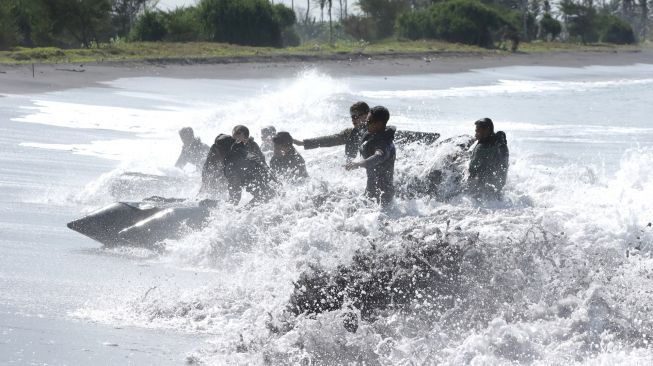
(235, 189)
(210, 166)
(274, 165)
(256, 150)
(339, 138)
(475, 162)
(300, 165)
(503, 161)
(381, 154)
(183, 158)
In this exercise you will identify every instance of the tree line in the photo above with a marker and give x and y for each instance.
(85, 23)
(486, 23)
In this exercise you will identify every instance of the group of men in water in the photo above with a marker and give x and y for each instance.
(237, 162)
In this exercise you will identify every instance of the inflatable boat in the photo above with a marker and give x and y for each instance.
(143, 223)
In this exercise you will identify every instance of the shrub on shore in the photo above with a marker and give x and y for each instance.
(615, 30)
(550, 27)
(245, 22)
(182, 25)
(8, 28)
(460, 21)
(150, 27)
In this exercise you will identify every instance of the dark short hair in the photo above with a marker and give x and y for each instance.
(223, 143)
(485, 123)
(186, 131)
(359, 108)
(380, 113)
(241, 129)
(268, 131)
(282, 138)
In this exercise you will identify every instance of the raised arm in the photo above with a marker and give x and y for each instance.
(379, 156)
(339, 138)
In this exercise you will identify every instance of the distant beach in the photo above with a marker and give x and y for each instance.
(23, 79)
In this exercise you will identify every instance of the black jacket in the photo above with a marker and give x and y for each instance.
(244, 169)
(254, 151)
(488, 166)
(239, 169)
(290, 167)
(380, 167)
(350, 137)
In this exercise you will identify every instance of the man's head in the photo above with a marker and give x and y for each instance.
(186, 135)
(282, 143)
(358, 112)
(267, 133)
(484, 128)
(377, 119)
(240, 133)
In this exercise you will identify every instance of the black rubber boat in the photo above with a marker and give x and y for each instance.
(143, 223)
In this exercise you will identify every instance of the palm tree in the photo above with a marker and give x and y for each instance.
(330, 2)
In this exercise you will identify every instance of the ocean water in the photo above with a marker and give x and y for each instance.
(566, 274)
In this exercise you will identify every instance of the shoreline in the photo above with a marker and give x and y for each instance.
(21, 79)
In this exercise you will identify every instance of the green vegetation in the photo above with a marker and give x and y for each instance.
(245, 22)
(615, 30)
(550, 27)
(97, 30)
(462, 21)
(197, 51)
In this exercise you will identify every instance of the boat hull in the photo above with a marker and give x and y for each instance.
(141, 223)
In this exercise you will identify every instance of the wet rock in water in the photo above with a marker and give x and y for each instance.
(423, 272)
(443, 178)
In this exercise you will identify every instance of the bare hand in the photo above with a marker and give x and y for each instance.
(352, 166)
(298, 142)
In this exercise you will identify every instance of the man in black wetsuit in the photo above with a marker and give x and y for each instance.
(378, 152)
(286, 163)
(350, 137)
(193, 152)
(241, 134)
(240, 169)
(488, 166)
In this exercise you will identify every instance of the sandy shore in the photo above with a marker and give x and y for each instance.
(23, 79)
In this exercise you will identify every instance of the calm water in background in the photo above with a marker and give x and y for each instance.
(581, 144)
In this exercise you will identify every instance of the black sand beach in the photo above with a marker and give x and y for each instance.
(23, 79)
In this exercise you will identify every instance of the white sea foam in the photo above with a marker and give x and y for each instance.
(559, 273)
(505, 87)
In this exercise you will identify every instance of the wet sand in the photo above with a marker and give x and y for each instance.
(23, 79)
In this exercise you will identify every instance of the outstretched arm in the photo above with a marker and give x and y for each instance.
(339, 138)
(377, 158)
(182, 159)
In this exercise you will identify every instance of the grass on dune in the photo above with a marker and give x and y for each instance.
(140, 51)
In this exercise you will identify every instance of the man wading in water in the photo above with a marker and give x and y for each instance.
(350, 137)
(193, 152)
(378, 152)
(239, 168)
(488, 166)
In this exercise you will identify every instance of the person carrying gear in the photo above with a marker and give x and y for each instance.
(193, 151)
(241, 170)
(286, 163)
(488, 166)
(241, 134)
(378, 151)
(350, 137)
